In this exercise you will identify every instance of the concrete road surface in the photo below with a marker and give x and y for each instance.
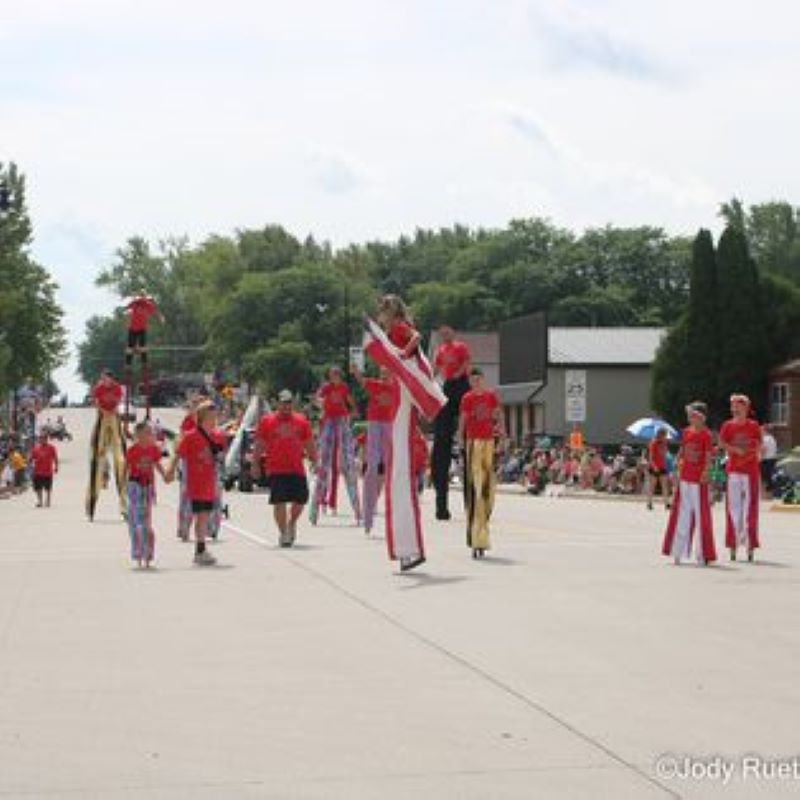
(575, 662)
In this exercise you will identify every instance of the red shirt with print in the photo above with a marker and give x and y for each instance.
(142, 460)
(478, 407)
(284, 437)
(382, 395)
(696, 448)
(139, 312)
(746, 434)
(335, 400)
(400, 333)
(657, 451)
(44, 458)
(199, 462)
(107, 396)
(452, 359)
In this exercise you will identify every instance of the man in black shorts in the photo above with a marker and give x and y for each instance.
(282, 439)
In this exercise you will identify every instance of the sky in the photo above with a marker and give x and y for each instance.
(363, 119)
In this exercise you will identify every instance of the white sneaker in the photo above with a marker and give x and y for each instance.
(204, 559)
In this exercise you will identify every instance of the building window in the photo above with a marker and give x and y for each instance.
(779, 404)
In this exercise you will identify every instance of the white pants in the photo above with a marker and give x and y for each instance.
(688, 516)
(738, 495)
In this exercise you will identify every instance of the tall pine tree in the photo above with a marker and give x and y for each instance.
(703, 319)
(744, 357)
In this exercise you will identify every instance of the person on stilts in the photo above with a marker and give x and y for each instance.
(451, 363)
(336, 448)
(139, 311)
(381, 394)
(106, 435)
(690, 522)
(395, 345)
(741, 437)
(479, 423)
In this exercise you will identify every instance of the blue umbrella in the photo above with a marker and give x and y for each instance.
(647, 427)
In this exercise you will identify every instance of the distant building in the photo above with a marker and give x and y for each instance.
(784, 404)
(608, 372)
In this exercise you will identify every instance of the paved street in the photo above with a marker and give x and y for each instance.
(562, 666)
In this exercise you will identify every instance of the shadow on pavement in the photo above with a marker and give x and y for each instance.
(423, 579)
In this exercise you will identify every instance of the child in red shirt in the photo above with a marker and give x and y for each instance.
(200, 449)
(142, 461)
(44, 458)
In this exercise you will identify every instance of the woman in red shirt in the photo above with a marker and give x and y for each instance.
(741, 436)
(336, 450)
(142, 461)
(657, 467)
(691, 511)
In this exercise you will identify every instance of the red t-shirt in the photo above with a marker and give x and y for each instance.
(335, 397)
(747, 434)
(139, 312)
(44, 458)
(478, 408)
(451, 359)
(188, 423)
(400, 333)
(658, 455)
(201, 477)
(142, 460)
(696, 447)
(285, 437)
(381, 406)
(107, 397)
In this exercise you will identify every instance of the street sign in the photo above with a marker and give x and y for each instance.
(357, 357)
(575, 394)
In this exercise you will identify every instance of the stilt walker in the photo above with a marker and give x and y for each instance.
(106, 435)
(188, 424)
(336, 448)
(417, 393)
(741, 436)
(380, 411)
(478, 425)
(139, 311)
(690, 522)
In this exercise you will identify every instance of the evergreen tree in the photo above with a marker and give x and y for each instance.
(744, 358)
(703, 318)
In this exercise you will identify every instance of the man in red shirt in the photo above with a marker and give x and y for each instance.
(282, 439)
(740, 437)
(107, 434)
(336, 451)
(451, 363)
(139, 311)
(692, 508)
(657, 467)
(479, 424)
(381, 406)
(44, 458)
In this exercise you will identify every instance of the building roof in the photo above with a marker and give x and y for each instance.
(628, 346)
(578, 346)
(789, 368)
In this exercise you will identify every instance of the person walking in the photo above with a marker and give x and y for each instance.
(479, 420)
(282, 439)
(769, 456)
(658, 468)
(44, 458)
(451, 364)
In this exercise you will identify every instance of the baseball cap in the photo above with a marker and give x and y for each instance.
(285, 396)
